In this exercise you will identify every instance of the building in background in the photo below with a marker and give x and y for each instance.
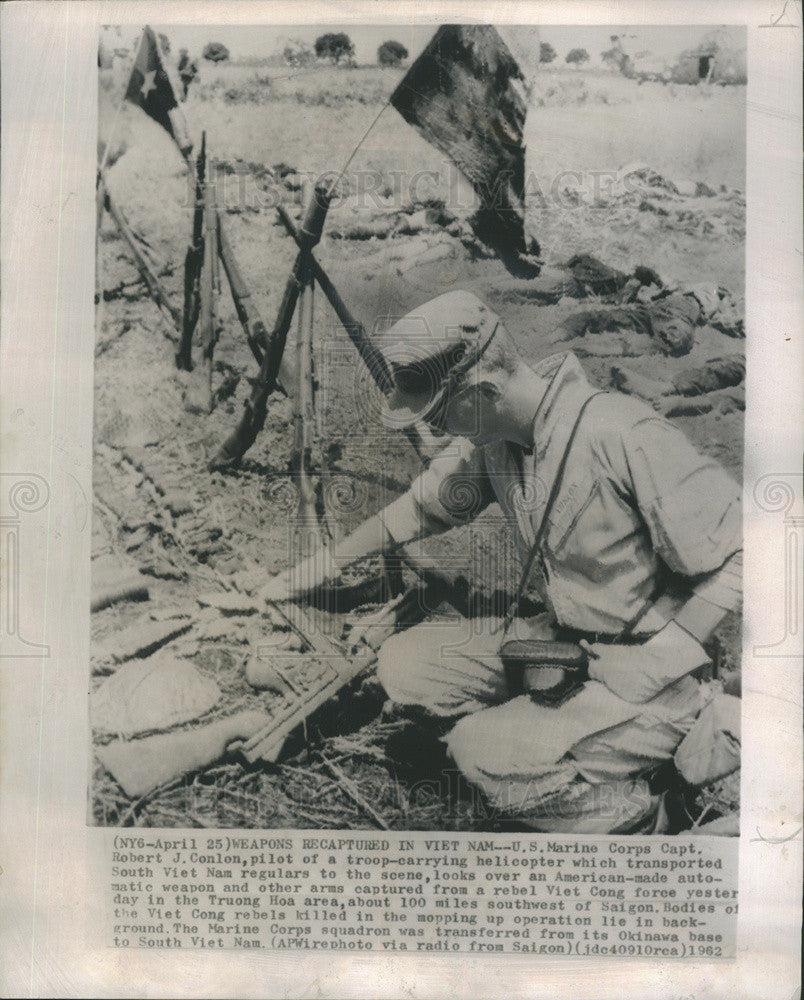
(720, 57)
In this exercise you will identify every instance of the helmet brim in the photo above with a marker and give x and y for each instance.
(403, 409)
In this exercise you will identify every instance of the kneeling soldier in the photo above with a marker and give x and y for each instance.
(631, 538)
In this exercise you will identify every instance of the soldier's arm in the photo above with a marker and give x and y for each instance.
(324, 566)
(712, 598)
(450, 492)
(693, 511)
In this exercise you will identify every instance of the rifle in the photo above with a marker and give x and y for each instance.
(419, 436)
(251, 423)
(192, 263)
(250, 320)
(206, 295)
(158, 293)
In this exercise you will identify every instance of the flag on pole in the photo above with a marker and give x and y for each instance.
(154, 87)
(466, 94)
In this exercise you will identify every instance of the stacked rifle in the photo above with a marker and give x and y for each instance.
(482, 73)
(210, 243)
(209, 247)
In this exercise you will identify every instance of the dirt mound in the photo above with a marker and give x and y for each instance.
(149, 181)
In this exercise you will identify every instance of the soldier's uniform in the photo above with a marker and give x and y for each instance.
(640, 522)
(188, 71)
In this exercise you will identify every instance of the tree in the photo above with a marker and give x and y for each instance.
(297, 53)
(615, 57)
(215, 52)
(577, 56)
(334, 46)
(546, 53)
(391, 53)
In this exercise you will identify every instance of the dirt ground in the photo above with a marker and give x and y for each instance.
(397, 239)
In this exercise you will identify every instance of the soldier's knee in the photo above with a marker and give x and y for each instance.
(466, 744)
(399, 657)
(385, 661)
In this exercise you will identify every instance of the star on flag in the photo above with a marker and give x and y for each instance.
(153, 86)
(149, 84)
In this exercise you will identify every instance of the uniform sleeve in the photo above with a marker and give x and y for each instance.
(452, 491)
(724, 587)
(691, 506)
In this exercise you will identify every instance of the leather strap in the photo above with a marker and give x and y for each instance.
(551, 499)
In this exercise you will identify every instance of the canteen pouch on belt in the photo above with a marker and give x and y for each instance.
(548, 671)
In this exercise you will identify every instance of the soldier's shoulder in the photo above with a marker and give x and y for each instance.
(616, 412)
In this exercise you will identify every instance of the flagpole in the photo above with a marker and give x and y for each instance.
(352, 155)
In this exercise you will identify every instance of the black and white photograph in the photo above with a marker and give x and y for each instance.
(419, 393)
(401, 505)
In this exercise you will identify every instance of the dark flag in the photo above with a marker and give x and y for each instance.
(465, 94)
(153, 86)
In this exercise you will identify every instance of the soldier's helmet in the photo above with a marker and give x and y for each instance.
(429, 350)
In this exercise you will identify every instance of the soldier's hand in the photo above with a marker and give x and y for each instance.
(317, 570)
(277, 589)
(638, 673)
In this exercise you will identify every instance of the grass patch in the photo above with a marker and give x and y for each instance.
(316, 86)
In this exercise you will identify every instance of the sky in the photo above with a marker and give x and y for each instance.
(260, 41)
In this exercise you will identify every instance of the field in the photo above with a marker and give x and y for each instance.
(395, 239)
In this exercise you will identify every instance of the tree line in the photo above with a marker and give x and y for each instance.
(337, 48)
